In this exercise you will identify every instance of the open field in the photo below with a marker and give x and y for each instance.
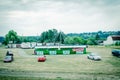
(60, 67)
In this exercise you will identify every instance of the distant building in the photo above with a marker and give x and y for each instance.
(39, 44)
(49, 44)
(26, 45)
(112, 40)
(11, 45)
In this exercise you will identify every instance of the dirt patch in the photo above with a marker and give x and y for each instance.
(60, 75)
(24, 54)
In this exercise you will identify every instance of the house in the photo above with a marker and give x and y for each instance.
(11, 45)
(112, 40)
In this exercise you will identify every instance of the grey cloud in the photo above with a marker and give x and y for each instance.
(62, 5)
(59, 12)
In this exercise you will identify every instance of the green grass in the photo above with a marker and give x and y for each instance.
(61, 67)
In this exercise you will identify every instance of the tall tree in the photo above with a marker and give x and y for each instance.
(74, 40)
(43, 37)
(52, 34)
(97, 37)
(49, 36)
(91, 41)
(11, 36)
(68, 40)
(60, 37)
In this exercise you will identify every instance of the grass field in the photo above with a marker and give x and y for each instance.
(60, 67)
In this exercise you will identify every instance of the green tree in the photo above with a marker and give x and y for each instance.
(91, 41)
(19, 40)
(97, 37)
(49, 36)
(60, 37)
(68, 40)
(74, 40)
(43, 37)
(79, 40)
(11, 36)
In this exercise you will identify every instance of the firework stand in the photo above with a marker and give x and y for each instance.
(59, 50)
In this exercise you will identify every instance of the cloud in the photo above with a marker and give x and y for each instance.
(29, 17)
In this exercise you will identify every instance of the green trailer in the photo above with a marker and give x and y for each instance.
(59, 50)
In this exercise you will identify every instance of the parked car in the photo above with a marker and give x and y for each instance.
(9, 53)
(41, 58)
(94, 56)
(8, 59)
(116, 52)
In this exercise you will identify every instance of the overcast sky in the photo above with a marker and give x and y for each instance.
(32, 17)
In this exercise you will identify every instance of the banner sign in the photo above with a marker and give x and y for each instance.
(78, 49)
(52, 52)
(66, 52)
(40, 53)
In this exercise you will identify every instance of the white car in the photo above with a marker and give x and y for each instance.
(94, 56)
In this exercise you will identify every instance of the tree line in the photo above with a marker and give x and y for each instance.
(53, 36)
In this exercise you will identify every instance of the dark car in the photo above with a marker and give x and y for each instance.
(8, 59)
(116, 52)
(9, 53)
